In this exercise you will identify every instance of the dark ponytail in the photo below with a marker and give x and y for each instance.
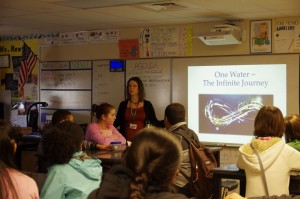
(154, 157)
(138, 186)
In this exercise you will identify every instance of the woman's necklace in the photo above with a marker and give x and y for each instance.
(133, 113)
(135, 103)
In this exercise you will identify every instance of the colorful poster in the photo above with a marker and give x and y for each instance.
(29, 59)
(166, 41)
(261, 37)
(129, 48)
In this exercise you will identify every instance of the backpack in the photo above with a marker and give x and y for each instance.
(202, 162)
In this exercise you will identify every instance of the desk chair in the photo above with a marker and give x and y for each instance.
(227, 186)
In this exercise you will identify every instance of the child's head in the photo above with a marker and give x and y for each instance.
(269, 122)
(105, 112)
(175, 113)
(61, 142)
(8, 134)
(8, 146)
(292, 127)
(62, 115)
(154, 156)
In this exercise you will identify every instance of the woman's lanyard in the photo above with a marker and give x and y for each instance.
(133, 113)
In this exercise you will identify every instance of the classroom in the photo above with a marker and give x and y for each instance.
(200, 54)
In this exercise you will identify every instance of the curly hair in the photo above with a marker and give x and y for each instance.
(140, 87)
(154, 156)
(269, 121)
(60, 115)
(292, 127)
(60, 142)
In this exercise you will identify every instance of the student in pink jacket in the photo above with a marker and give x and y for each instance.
(102, 131)
(13, 183)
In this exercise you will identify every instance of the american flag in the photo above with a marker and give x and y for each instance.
(27, 64)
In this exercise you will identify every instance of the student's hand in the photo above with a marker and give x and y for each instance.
(234, 196)
(103, 147)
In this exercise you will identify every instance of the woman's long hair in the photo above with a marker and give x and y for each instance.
(7, 139)
(154, 156)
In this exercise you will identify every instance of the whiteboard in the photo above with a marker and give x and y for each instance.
(107, 86)
(66, 79)
(60, 99)
(156, 76)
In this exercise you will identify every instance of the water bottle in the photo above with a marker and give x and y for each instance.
(148, 124)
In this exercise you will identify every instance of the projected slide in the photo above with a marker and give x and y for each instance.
(224, 100)
(230, 114)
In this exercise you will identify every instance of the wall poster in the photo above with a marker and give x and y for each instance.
(260, 36)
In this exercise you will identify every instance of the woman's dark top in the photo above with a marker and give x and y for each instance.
(149, 116)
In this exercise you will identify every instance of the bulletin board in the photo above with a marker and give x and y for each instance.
(156, 76)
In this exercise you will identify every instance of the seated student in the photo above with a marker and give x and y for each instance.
(13, 183)
(277, 157)
(71, 173)
(103, 131)
(148, 169)
(61, 115)
(237, 196)
(292, 138)
(175, 123)
(292, 130)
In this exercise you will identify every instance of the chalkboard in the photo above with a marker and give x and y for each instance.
(156, 76)
(60, 99)
(66, 79)
(107, 86)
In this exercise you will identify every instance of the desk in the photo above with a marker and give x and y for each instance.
(26, 143)
(232, 172)
(108, 157)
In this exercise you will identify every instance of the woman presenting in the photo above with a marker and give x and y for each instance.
(135, 111)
